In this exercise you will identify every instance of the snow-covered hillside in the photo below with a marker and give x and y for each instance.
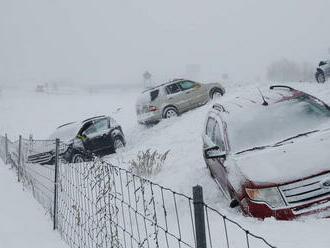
(25, 112)
(24, 222)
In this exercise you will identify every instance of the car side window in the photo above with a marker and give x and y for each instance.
(172, 88)
(154, 94)
(217, 137)
(209, 127)
(91, 129)
(101, 125)
(213, 131)
(186, 85)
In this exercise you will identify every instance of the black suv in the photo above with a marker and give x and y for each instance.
(80, 141)
(323, 71)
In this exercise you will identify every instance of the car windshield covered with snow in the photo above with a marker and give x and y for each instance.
(66, 132)
(267, 125)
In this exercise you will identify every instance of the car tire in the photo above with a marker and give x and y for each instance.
(216, 92)
(77, 158)
(118, 143)
(170, 112)
(320, 78)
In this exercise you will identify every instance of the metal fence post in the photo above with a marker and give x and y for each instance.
(199, 217)
(19, 157)
(57, 143)
(6, 149)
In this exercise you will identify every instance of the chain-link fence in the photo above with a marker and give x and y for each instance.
(97, 204)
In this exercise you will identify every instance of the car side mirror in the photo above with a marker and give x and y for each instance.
(214, 152)
(83, 136)
(322, 63)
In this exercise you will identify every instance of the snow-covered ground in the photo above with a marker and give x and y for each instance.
(24, 112)
(23, 222)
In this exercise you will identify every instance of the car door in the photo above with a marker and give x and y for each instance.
(88, 135)
(102, 137)
(214, 136)
(174, 96)
(193, 93)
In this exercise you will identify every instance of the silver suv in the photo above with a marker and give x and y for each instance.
(173, 98)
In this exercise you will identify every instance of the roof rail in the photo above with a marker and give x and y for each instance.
(281, 86)
(66, 124)
(92, 118)
(159, 85)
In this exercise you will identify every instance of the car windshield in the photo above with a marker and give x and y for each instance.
(65, 132)
(260, 126)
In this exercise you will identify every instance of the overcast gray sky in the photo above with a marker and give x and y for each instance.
(109, 41)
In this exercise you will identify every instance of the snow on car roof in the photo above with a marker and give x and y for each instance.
(157, 86)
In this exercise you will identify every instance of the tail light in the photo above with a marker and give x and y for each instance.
(152, 108)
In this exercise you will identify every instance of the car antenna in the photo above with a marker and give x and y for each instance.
(265, 103)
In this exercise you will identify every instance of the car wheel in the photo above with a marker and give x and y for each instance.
(320, 78)
(170, 112)
(216, 93)
(118, 143)
(77, 158)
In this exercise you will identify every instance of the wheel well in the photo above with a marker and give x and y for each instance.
(115, 132)
(215, 89)
(77, 153)
(118, 136)
(170, 106)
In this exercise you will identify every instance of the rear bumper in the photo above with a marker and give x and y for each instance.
(262, 210)
(149, 117)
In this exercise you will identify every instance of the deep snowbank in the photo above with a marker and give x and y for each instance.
(23, 222)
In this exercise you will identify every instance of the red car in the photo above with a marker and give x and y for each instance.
(270, 154)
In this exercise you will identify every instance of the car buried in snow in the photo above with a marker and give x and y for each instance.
(173, 98)
(271, 159)
(80, 141)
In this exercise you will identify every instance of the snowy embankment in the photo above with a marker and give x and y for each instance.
(37, 113)
(24, 222)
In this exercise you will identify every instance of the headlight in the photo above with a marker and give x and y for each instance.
(63, 148)
(271, 196)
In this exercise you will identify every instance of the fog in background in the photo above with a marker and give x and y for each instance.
(114, 42)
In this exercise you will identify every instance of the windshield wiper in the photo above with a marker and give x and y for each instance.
(253, 149)
(277, 143)
(294, 137)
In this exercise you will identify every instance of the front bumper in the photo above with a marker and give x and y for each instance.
(262, 210)
(41, 158)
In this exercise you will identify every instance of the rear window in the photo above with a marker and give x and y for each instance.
(154, 94)
(147, 96)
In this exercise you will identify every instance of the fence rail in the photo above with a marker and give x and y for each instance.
(97, 204)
